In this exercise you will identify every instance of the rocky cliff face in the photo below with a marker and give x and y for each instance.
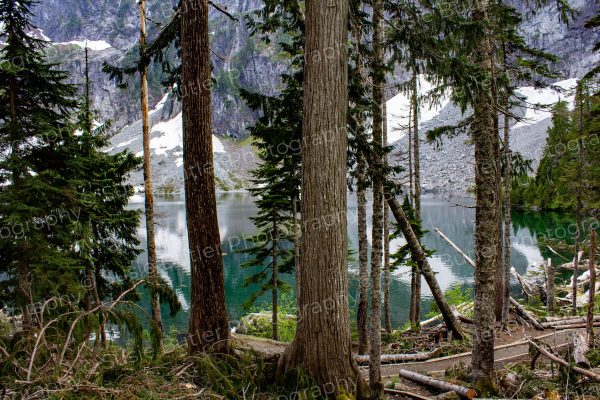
(241, 61)
(238, 59)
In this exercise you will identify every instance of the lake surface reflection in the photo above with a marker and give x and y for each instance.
(455, 218)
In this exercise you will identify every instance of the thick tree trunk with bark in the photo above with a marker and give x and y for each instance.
(148, 195)
(485, 139)
(208, 326)
(378, 203)
(322, 346)
(507, 214)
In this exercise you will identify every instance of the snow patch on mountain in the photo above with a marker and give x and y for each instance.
(232, 161)
(94, 45)
(449, 167)
(399, 109)
(540, 100)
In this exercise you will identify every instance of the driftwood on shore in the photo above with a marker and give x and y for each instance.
(437, 384)
(521, 311)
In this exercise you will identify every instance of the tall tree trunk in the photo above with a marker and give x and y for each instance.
(485, 139)
(363, 260)
(296, 234)
(23, 298)
(387, 278)
(378, 203)
(274, 278)
(499, 287)
(362, 311)
(322, 346)
(507, 200)
(416, 151)
(410, 160)
(578, 199)
(415, 299)
(208, 327)
(149, 197)
(592, 293)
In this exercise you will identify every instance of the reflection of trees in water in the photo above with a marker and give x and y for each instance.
(236, 209)
(546, 225)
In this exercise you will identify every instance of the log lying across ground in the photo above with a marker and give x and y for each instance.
(400, 358)
(437, 384)
(568, 321)
(404, 393)
(574, 326)
(558, 360)
(526, 314)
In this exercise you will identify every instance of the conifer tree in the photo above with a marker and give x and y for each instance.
(378, 79)
(35, 106)
(277, 135)
(208, 326)
(58, 183)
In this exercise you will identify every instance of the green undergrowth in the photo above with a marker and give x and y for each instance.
(114, 374)
(286, 324)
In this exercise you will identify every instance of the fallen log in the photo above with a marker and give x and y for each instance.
(526, 314)
(460, 307)
(470, 261)
(400, 358)
(461, 317)
(574, 326)
(437, 384)
(558, 360)
(568, 321)
(580, 349)
(526, 286)
(404, 393)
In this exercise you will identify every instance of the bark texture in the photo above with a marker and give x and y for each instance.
(485, 139)
(208, 327)
(387, 273)
(507, 219)
(148, 195)
(378, 203)
(322, 346)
